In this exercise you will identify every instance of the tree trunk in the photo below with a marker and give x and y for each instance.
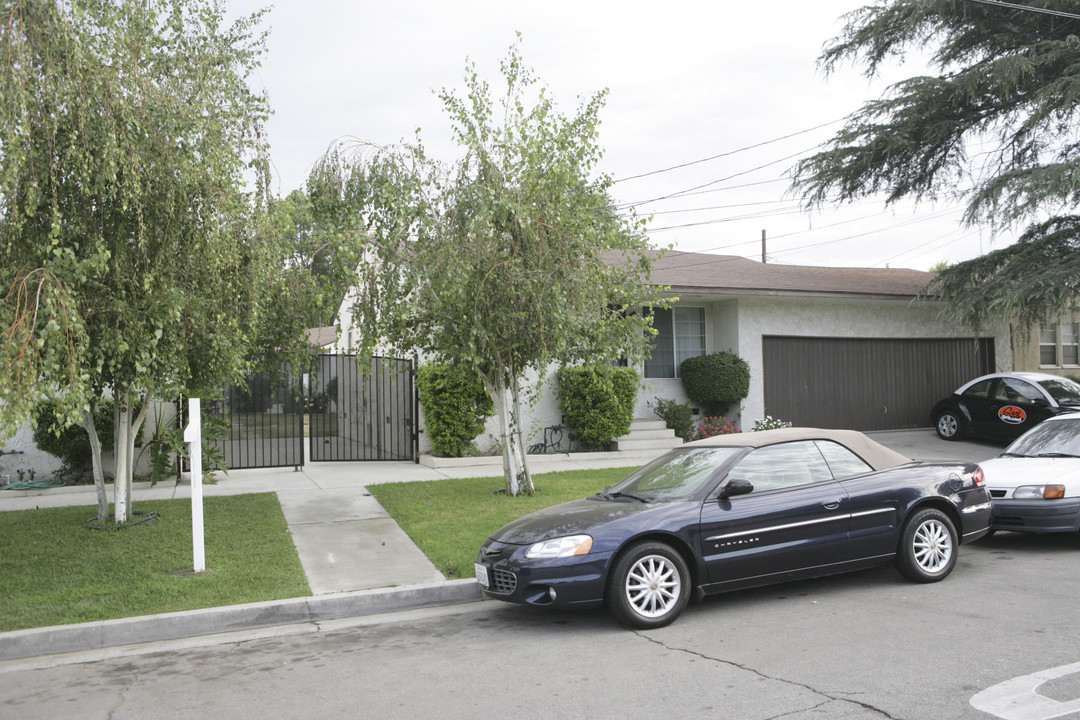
(133, 435)
(99, 469)
(514, 470)
(517, 424)
(122, 478)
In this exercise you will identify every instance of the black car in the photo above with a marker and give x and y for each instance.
(1003, 406)
(738, 511)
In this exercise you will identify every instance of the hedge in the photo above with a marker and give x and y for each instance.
(456, 407)
(598, 401)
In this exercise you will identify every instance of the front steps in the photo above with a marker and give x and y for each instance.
(648, 435)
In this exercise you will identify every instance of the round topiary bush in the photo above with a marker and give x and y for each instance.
(715, 381)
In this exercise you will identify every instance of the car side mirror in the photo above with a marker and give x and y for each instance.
(736, 486)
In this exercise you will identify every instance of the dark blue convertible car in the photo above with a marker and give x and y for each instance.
(737, 511)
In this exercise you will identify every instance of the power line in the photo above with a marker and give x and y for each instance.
(620, 206)
(689, 191)
(1029, 8)
(728, 153)
(749, 216)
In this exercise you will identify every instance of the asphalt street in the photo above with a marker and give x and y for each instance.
(866, 645)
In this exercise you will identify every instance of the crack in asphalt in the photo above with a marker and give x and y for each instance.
(828, 697)
(123, 696)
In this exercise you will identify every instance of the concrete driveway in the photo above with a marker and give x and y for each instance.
(924, 444)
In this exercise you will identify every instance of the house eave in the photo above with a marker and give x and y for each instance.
(734, 292)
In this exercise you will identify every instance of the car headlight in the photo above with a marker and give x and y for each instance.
(1039, 492)
(560, 547)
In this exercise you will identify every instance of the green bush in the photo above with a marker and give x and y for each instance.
(598, 401)
(677, 416)
(456, 407)
(715, 381)
(72, 444)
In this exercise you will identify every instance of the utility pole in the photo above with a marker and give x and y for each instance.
(763, 260)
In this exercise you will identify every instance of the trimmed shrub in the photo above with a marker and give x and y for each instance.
(677, 416)
(715, 381)
(456, 407)
(598, 401)
(72, 444)
(713, 426)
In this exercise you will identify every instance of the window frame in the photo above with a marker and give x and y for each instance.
(677, 357)
(1074, 346)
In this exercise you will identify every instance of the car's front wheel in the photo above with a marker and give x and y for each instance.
(927, 550)
(948, 426)
(649, 585)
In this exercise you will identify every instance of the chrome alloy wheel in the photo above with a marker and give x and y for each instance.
(948, 426)
(932, 546)
(653, 586)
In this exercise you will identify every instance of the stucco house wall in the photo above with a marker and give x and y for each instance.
(1028, 347)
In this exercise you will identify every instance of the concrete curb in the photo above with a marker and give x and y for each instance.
(209, 621)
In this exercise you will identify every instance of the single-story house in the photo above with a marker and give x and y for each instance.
(828, 347)
(831, 347)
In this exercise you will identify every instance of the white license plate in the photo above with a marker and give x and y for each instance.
(481, 574)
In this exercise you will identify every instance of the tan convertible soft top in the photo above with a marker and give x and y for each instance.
(875, 454)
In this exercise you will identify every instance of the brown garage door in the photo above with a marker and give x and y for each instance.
(867, 384)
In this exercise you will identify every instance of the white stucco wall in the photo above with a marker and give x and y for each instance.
(837, 318)
(30, 458)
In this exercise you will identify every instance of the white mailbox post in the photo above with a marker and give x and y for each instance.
(193, 436)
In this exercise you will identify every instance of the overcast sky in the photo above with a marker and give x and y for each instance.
(688, 81)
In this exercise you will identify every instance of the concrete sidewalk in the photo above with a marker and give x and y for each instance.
(357, 559)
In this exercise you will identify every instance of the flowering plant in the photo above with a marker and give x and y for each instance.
(770, 423)
(712, 426)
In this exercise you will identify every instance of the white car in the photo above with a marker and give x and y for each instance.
(1035, 484)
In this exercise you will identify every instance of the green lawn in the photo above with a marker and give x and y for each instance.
(450, 519)
(53, 571)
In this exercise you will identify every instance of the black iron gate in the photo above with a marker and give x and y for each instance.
(263, 421)
(358, 415)
(352, 415)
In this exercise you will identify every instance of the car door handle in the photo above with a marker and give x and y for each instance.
(832, 505)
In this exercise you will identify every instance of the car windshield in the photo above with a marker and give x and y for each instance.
(679, 474)
(1059, 437)
(1063, 390)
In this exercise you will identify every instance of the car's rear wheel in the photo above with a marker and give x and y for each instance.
(927, 547)
(649, 585)
(948, 426)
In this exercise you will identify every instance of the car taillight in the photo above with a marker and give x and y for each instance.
(977, 476)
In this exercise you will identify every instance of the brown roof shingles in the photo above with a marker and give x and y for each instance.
(730, 274)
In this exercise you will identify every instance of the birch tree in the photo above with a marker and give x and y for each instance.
(132, 177)
(510, 259)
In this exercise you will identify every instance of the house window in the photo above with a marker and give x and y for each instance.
(680, 334)
(1048, 344)
(1070, 344)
